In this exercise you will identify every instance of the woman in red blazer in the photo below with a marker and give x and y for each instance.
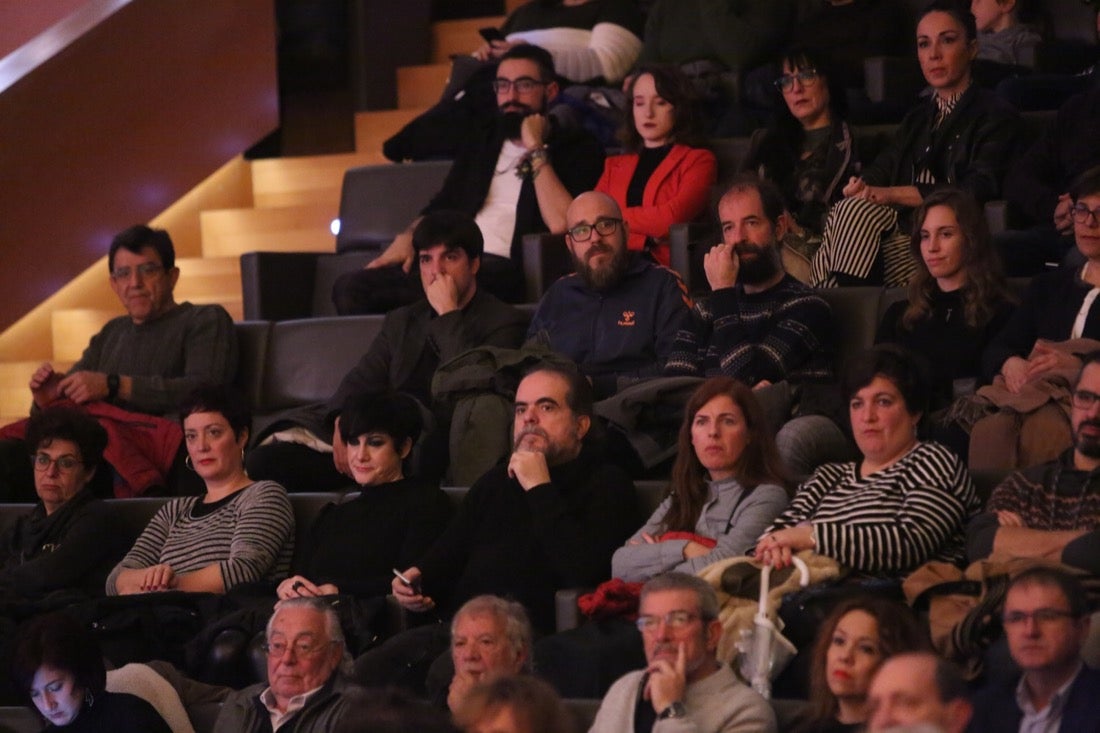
(664, 178)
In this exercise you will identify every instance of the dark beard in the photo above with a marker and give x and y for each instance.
(603, 278)
(510, 122)
(761, 268)
(1087, 445)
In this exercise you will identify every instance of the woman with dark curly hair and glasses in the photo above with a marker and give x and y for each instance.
(70, 539)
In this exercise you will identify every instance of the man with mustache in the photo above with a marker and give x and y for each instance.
(618, 315)
(759, 325)
(513, 177)
(547, 519)
(684, 687)
(1051, 511)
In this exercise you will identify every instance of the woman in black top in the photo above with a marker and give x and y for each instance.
(958, 299)
(807, 150)
(59, 666)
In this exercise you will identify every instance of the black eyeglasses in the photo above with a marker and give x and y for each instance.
(523, 85)
(604, 227)
(1083, 399)
(805, 77)
(1082, 214)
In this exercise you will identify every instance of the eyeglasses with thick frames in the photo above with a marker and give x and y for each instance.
(145, 270)
(301, 648)
(1042, 616)
(523, 85)
(605, 227)
(1083, 399)
(1082, 214)
(805, 77)
(674, 620)
(42, 462)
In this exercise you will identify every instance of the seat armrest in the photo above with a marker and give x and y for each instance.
(996, 216)
(688, 243)
(278, 286)
(545, 259)
(567, 614)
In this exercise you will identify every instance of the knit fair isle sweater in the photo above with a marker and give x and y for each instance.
(784, 332)
(250, 537)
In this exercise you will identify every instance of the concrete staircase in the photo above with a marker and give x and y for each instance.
(282, 204)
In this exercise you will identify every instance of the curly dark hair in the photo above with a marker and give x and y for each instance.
(66, 423)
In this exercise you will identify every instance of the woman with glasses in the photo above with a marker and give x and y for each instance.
(665, 176)
(1057, 306)
(963, 136)
(69, 539)
(807, 150)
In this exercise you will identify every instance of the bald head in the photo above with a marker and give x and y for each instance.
(596, 235)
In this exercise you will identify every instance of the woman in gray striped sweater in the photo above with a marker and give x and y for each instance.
(239, 531)
(905, 503)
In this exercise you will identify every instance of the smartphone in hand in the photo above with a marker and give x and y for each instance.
(413, 585)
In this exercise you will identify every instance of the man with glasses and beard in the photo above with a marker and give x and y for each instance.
(1051, 511)
(513, 177)
(759, 325)
(618, 315)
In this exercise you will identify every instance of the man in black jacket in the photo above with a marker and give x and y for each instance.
(513, 177)
(547, 519)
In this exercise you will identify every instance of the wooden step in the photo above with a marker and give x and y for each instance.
(212, 280)
(374, 128)
(232, 232)
(73, 328)
(421, 86)
(451, 37)
(303, 181)
(510, 5)
(15, 397)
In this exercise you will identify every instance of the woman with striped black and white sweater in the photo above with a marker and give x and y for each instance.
(239, 531)
(905, 503)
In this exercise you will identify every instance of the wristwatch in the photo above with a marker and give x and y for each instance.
(675, 710)
(112, 386)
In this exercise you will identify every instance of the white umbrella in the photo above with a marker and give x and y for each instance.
(764, 649)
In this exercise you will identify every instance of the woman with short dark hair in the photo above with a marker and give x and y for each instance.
(354, 545)
(59, 666)
(70, 539)
(904, 503)
(239, 531)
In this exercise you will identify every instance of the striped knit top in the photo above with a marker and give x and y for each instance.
(892, 521)
(250, 537)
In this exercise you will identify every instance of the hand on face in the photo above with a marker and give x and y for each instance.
(442, 293)
(667, 680)
(528, 467)
(534, 130)
(721, 265)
